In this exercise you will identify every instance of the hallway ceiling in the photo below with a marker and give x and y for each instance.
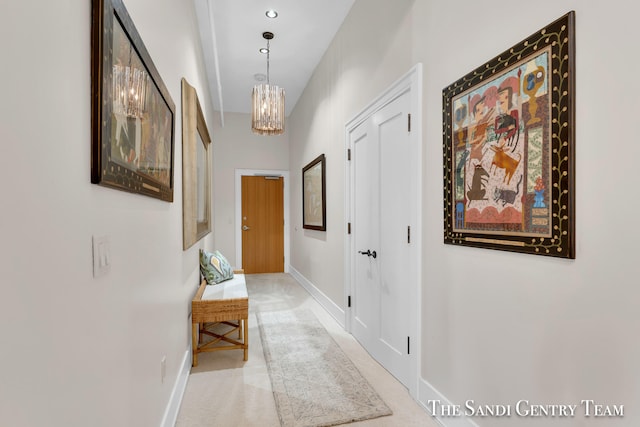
(232, 31)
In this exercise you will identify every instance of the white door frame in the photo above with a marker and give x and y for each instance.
(411, 81)
(261, 172)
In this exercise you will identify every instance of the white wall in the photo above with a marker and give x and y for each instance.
(367, 55)
(503, 326)
(79, 351)
(497, 326)
(236, 147)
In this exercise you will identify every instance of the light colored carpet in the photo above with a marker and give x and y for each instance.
(314, 383)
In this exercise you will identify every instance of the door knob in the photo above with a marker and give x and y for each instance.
(245, 228)
(368, 253)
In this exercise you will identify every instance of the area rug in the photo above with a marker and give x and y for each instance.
(314, 383)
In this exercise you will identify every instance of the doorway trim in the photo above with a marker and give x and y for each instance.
(238, 215)
(411, 81)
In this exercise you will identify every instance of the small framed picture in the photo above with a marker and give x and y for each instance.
(314, 208)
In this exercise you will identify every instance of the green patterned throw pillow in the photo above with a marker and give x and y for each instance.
(214, 267)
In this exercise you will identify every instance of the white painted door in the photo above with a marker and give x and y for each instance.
(365, 302)
(381, 301)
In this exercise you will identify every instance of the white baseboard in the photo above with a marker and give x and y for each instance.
(427, 393)
(173, 407)
(332, 308)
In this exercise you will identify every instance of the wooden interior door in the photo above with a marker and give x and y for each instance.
(262, 224)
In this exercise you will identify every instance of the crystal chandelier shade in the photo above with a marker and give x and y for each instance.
(267, 112)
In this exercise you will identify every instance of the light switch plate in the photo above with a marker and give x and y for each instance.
(101, 256)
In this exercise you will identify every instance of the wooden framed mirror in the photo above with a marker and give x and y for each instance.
(196, 169)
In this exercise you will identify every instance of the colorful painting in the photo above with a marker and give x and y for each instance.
(508, 148)
(132, 111)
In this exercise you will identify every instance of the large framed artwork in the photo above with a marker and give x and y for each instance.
(196, 169)
(132, 111)
(509, 164)
(314, 205)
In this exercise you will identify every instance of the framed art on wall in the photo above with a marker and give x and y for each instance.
(196, 169)
(508, 163)
(132, 111)
(314, 209)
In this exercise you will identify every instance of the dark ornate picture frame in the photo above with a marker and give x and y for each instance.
(314, 204)
(509, 155)
(132, 111)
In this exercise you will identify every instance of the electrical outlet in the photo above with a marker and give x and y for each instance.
(163, 368)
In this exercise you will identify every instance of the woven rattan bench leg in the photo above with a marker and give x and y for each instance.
(246, 338)
(194, 342)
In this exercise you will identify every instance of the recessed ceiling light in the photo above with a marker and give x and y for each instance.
(264, 50)
(260, 77)
(271, 13)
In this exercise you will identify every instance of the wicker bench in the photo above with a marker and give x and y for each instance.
(226, 303)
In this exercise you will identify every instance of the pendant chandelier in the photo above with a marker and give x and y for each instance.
(129, 89)
(267, 113)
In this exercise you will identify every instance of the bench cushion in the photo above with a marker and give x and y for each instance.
(230, 289)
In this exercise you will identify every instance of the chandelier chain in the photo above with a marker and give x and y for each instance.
(268, 52)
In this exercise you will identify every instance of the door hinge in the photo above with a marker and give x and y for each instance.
(349, 301)
(408, 345)
(348, 228)
(409, 234)
(408, 122)
(349, 154)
